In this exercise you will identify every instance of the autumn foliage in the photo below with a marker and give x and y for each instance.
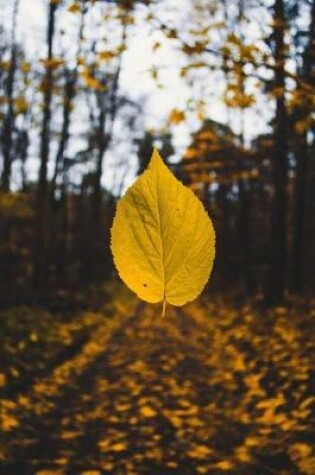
(92, 380)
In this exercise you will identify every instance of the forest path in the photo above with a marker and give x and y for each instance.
(199, 391)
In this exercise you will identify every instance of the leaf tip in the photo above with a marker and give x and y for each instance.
(156, 158)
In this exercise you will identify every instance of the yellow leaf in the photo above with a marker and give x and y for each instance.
(224, 465)
(91, 82)
(3, 380)
(52, 63)
(119, 447)
(106, 55)
(25, 67)
(81, 60)
(199, 452)
(156, 46)
(201, 115)
(147, 411)
(154, 73)
(162, 239)
(21, 105)
(302, 126)
(75, 7)
(242, 454)
(299, 450)
(176, 116)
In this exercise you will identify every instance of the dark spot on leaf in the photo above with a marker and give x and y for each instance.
(145, 285)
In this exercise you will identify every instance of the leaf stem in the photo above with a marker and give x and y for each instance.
(164, 307)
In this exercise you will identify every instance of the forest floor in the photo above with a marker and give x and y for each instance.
(212, 388)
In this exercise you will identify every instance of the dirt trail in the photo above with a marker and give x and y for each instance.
(156, 397)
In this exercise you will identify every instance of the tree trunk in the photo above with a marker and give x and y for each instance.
(8, 125)
(97, 243)
(302, 165)
(107, 116)
(66, 115)
(245, 218)
(43, 206)
(276, 279)
(71, 79)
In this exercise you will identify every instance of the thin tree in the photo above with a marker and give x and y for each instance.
(71, 76)
(108, 108)
(8, 126)
(42, 202)
(305, 87)
(278, 245)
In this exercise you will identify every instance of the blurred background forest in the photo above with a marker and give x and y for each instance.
(91, 381)
(80, 109)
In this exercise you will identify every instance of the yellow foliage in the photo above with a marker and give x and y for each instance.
(300, 450)
(196, 374)
(2, 380)
(176, 116)
(52, 63)
(191, 153)
(25, 67)
(307, 402)
(81, 60)
(199, 452)
(240, 100)
(75, 7)
(303, 456)
(302, 126)
(307, 465)
(8, 421)
(201, 115)
(21, 105)
(121, 48)
(224, 465)
(276, 92)
(232, 38)
(55, 472)
(91, 82)
(242, 454)
(207, 135)
(126, 19)
(15, 205)
(118, 447)
(108, 466)
(107, 55)
(147, 411)
(196, 48)
(171, 34)
(156, 45)
(162, 238)
(154, 73)
(5, 65)
(252, 441)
